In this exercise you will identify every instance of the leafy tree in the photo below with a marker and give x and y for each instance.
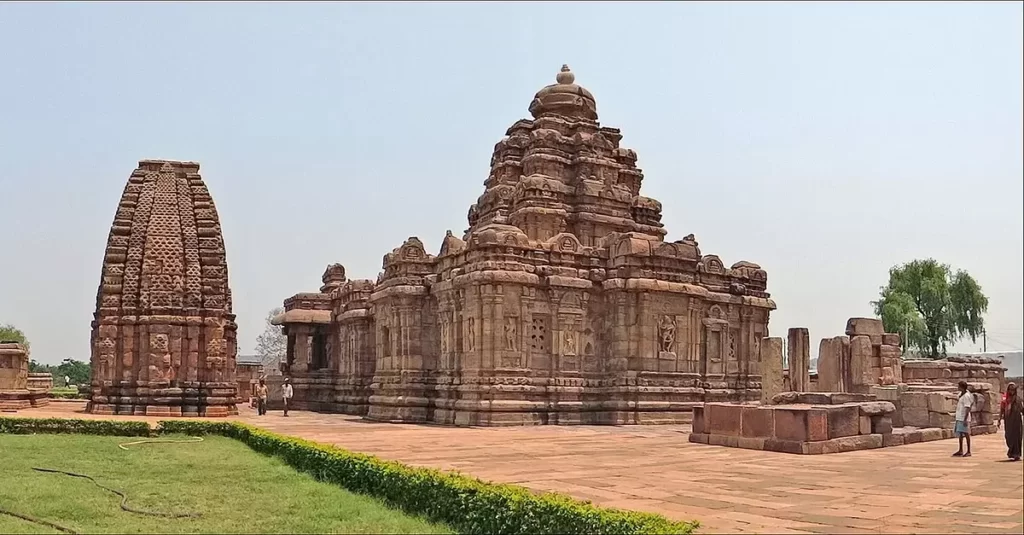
(79, 372)
(271, 345)
(931, 306)
(10, 333)
(35, 367)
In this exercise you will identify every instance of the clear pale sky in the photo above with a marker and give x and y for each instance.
(824, 141)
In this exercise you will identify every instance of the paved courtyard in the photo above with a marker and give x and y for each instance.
(916, 488)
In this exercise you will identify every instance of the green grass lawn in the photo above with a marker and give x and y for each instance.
(235, 490)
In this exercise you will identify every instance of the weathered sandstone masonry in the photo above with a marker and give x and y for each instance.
(16, 391)
(163, 335)
(866, 397)
(561, 304)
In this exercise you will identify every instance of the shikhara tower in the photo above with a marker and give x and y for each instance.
(163, 335)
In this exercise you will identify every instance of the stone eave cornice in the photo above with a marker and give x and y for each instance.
(302, 316)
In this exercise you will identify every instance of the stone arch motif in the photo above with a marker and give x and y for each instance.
(713, 265)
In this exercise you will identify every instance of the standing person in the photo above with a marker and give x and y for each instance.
(963, 419)
(67, 381)
(1011, 411)
(286, 394)
(261, 398)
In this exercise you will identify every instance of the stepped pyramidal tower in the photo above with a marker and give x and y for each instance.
(163, 335)
(561, 303)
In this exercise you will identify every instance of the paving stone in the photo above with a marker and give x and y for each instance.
(915, 488)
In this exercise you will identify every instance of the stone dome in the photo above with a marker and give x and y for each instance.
(564, 98)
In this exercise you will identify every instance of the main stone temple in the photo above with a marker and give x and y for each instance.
(163, 335)
(561, 304)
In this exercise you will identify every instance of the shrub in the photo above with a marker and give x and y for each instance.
(25, 426)
(466, 504)
(67, 395)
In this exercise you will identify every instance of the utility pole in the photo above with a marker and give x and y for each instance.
(984, 341)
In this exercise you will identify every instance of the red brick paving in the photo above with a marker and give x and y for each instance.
(916, 488)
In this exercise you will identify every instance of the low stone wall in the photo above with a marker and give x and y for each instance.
(934, 406)
(952, 370)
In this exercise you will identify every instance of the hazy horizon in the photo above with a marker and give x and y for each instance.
(826, 142)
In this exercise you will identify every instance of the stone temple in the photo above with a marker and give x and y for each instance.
(163, 335)
(561, 304)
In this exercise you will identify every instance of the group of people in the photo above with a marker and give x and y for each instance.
(1011, 418)
(262, 393)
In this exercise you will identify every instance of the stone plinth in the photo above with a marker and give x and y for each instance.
(163, 335)
(562, 303)
(40, 381)
(16, 392)
(812, 424)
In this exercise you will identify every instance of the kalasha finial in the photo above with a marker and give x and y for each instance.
(566, 76)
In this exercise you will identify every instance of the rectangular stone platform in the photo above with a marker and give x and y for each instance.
(811, 423)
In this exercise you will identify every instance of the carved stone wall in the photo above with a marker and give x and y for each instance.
(561, 303)
(163, 335)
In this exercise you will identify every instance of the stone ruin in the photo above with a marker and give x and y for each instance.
(561, 304)
(866, 396)
(15, 390)
(163, 335)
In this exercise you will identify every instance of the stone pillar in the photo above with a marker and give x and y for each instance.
(834, 364)
(771, 367)
(862, 372)
(800, 360)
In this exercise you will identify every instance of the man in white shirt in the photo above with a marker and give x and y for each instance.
(287, 392)
(962, 428)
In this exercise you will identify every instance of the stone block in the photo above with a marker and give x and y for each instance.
(748, 443)
(891, 339)
(722, 419)
(864, 326)
(942, 402)
(784, 446)
(914, 400)
(865, 425)
(915, 417)
(814, 398)
(881, 425)
(699, 438)
(893, 439)
(885, 393)
(697, 426)
(839, 398)
(723, 440)
(913, 437)
(876, 408)
(927, 435)
(757, 422)
(843, 421)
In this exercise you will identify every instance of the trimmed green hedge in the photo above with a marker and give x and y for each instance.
(466, 504)
(68, 395)
(27, 426)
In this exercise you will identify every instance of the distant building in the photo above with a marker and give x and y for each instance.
(248, 371)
